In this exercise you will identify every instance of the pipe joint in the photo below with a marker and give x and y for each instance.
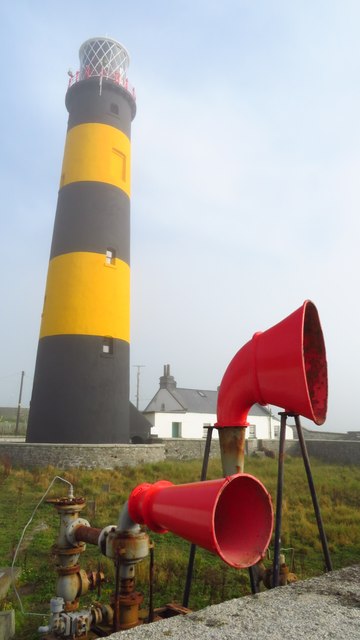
(70, 531)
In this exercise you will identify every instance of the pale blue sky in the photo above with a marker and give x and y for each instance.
(245, 188)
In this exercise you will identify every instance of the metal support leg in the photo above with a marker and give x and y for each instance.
(253, 579)
(193, 546)
(279, 495)
(319, 521)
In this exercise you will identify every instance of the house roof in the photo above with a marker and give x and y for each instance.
(191, 401)
(173, 399)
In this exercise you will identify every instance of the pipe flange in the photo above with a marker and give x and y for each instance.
(71, 528)
(57, 604)
(67, 571)
(71, 605)
(103, 537)
(71, 551)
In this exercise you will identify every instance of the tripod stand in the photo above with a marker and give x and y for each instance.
(233, 462)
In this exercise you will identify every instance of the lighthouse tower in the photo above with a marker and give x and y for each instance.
(81, 384)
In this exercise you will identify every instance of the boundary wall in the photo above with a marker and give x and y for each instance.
(324, 607)
(85, 456)
(112, 456)
(345, 452)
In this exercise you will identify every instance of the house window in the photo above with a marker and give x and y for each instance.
(108, 346)
(114, 108)
(176, 429)
(276, 430)
(162, 406)
(110, 256)
(252, 431)
(205, 430)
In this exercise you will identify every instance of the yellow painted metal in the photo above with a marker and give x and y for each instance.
(97, 152)
(86, 296)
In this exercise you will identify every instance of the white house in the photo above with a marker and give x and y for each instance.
(185, 413)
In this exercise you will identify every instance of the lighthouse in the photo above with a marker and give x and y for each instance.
(81, 382)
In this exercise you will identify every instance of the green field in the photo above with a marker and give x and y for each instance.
(338, 489)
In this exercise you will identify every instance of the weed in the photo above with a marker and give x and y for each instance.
(338, 490)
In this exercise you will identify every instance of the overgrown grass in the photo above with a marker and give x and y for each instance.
(338, 490)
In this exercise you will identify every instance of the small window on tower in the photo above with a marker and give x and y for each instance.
(110, 256)
(114, 108)
(108, 346)
(119, 164)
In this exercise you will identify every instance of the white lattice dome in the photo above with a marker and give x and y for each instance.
(103, 56)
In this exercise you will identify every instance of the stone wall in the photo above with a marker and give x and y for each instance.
(86, 456)
(292, 447)
(108, 456)
(338, 451)
(180, 449)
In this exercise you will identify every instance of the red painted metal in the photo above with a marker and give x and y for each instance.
(232, 517)
(285, 366)
(115, 77)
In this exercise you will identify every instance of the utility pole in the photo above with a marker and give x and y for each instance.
(138, 366)
(19, 404)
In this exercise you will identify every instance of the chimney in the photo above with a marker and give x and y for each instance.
(167, 381)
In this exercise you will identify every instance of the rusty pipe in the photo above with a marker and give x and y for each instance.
(125, 522)
(87, 534)
(232, 449)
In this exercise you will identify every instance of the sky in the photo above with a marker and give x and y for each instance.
(245, 189)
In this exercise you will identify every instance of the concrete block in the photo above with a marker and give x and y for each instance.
(6, 574)
(7, 624)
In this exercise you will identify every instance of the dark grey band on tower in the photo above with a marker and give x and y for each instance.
(82, 371)
(113, 106)
(92, 216)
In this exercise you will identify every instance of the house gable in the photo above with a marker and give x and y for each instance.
(164, 400)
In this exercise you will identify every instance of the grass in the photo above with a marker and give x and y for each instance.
(338, 490)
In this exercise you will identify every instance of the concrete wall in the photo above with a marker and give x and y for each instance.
(7, 624)
(325, 607)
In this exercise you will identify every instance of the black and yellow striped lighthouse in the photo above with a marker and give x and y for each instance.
(81, 384)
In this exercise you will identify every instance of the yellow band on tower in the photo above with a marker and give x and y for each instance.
(86, 296)
(99, 153)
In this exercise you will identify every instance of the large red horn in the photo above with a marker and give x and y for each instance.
(284, 366)
(231, 517)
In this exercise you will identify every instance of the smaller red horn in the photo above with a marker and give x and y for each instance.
(232, 517)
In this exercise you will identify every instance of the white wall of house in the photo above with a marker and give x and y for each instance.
(266, 428)
(191, 425)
